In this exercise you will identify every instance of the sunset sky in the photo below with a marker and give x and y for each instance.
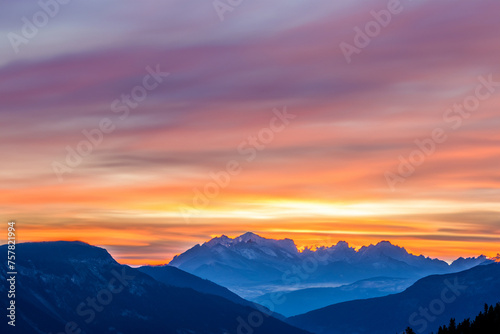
(301, 139)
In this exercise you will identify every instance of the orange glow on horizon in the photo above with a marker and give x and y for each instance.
(141, 252)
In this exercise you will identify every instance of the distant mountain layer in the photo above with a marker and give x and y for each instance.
(250, 264)
(429, 303)
(290, 303)
(72, 287)
(173, 276)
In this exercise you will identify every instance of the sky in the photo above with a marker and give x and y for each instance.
(148, 127)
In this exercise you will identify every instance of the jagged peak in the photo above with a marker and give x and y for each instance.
(477, 259)
(251, 237)
(387, 243)
(227, 241)
(384, 244)
(342, 244)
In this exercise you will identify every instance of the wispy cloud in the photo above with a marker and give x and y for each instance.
(353, 120)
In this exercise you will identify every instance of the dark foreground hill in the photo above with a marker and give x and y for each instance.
(428, 303)
(173, 276)
(72, 287)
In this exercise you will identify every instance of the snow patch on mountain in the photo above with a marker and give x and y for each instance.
(252, 238)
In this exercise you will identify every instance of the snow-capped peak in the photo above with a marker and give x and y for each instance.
(382, 247)
(386, 249)
(223, 240)
(250, 237)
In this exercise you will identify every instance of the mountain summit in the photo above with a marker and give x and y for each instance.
(251, 238)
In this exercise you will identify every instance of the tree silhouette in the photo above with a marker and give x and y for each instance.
(409, 331)
(487, 322)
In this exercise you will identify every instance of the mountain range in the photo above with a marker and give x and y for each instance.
(252, 266)
(72, 287)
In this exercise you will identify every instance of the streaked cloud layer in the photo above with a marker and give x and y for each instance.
(322, 174)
